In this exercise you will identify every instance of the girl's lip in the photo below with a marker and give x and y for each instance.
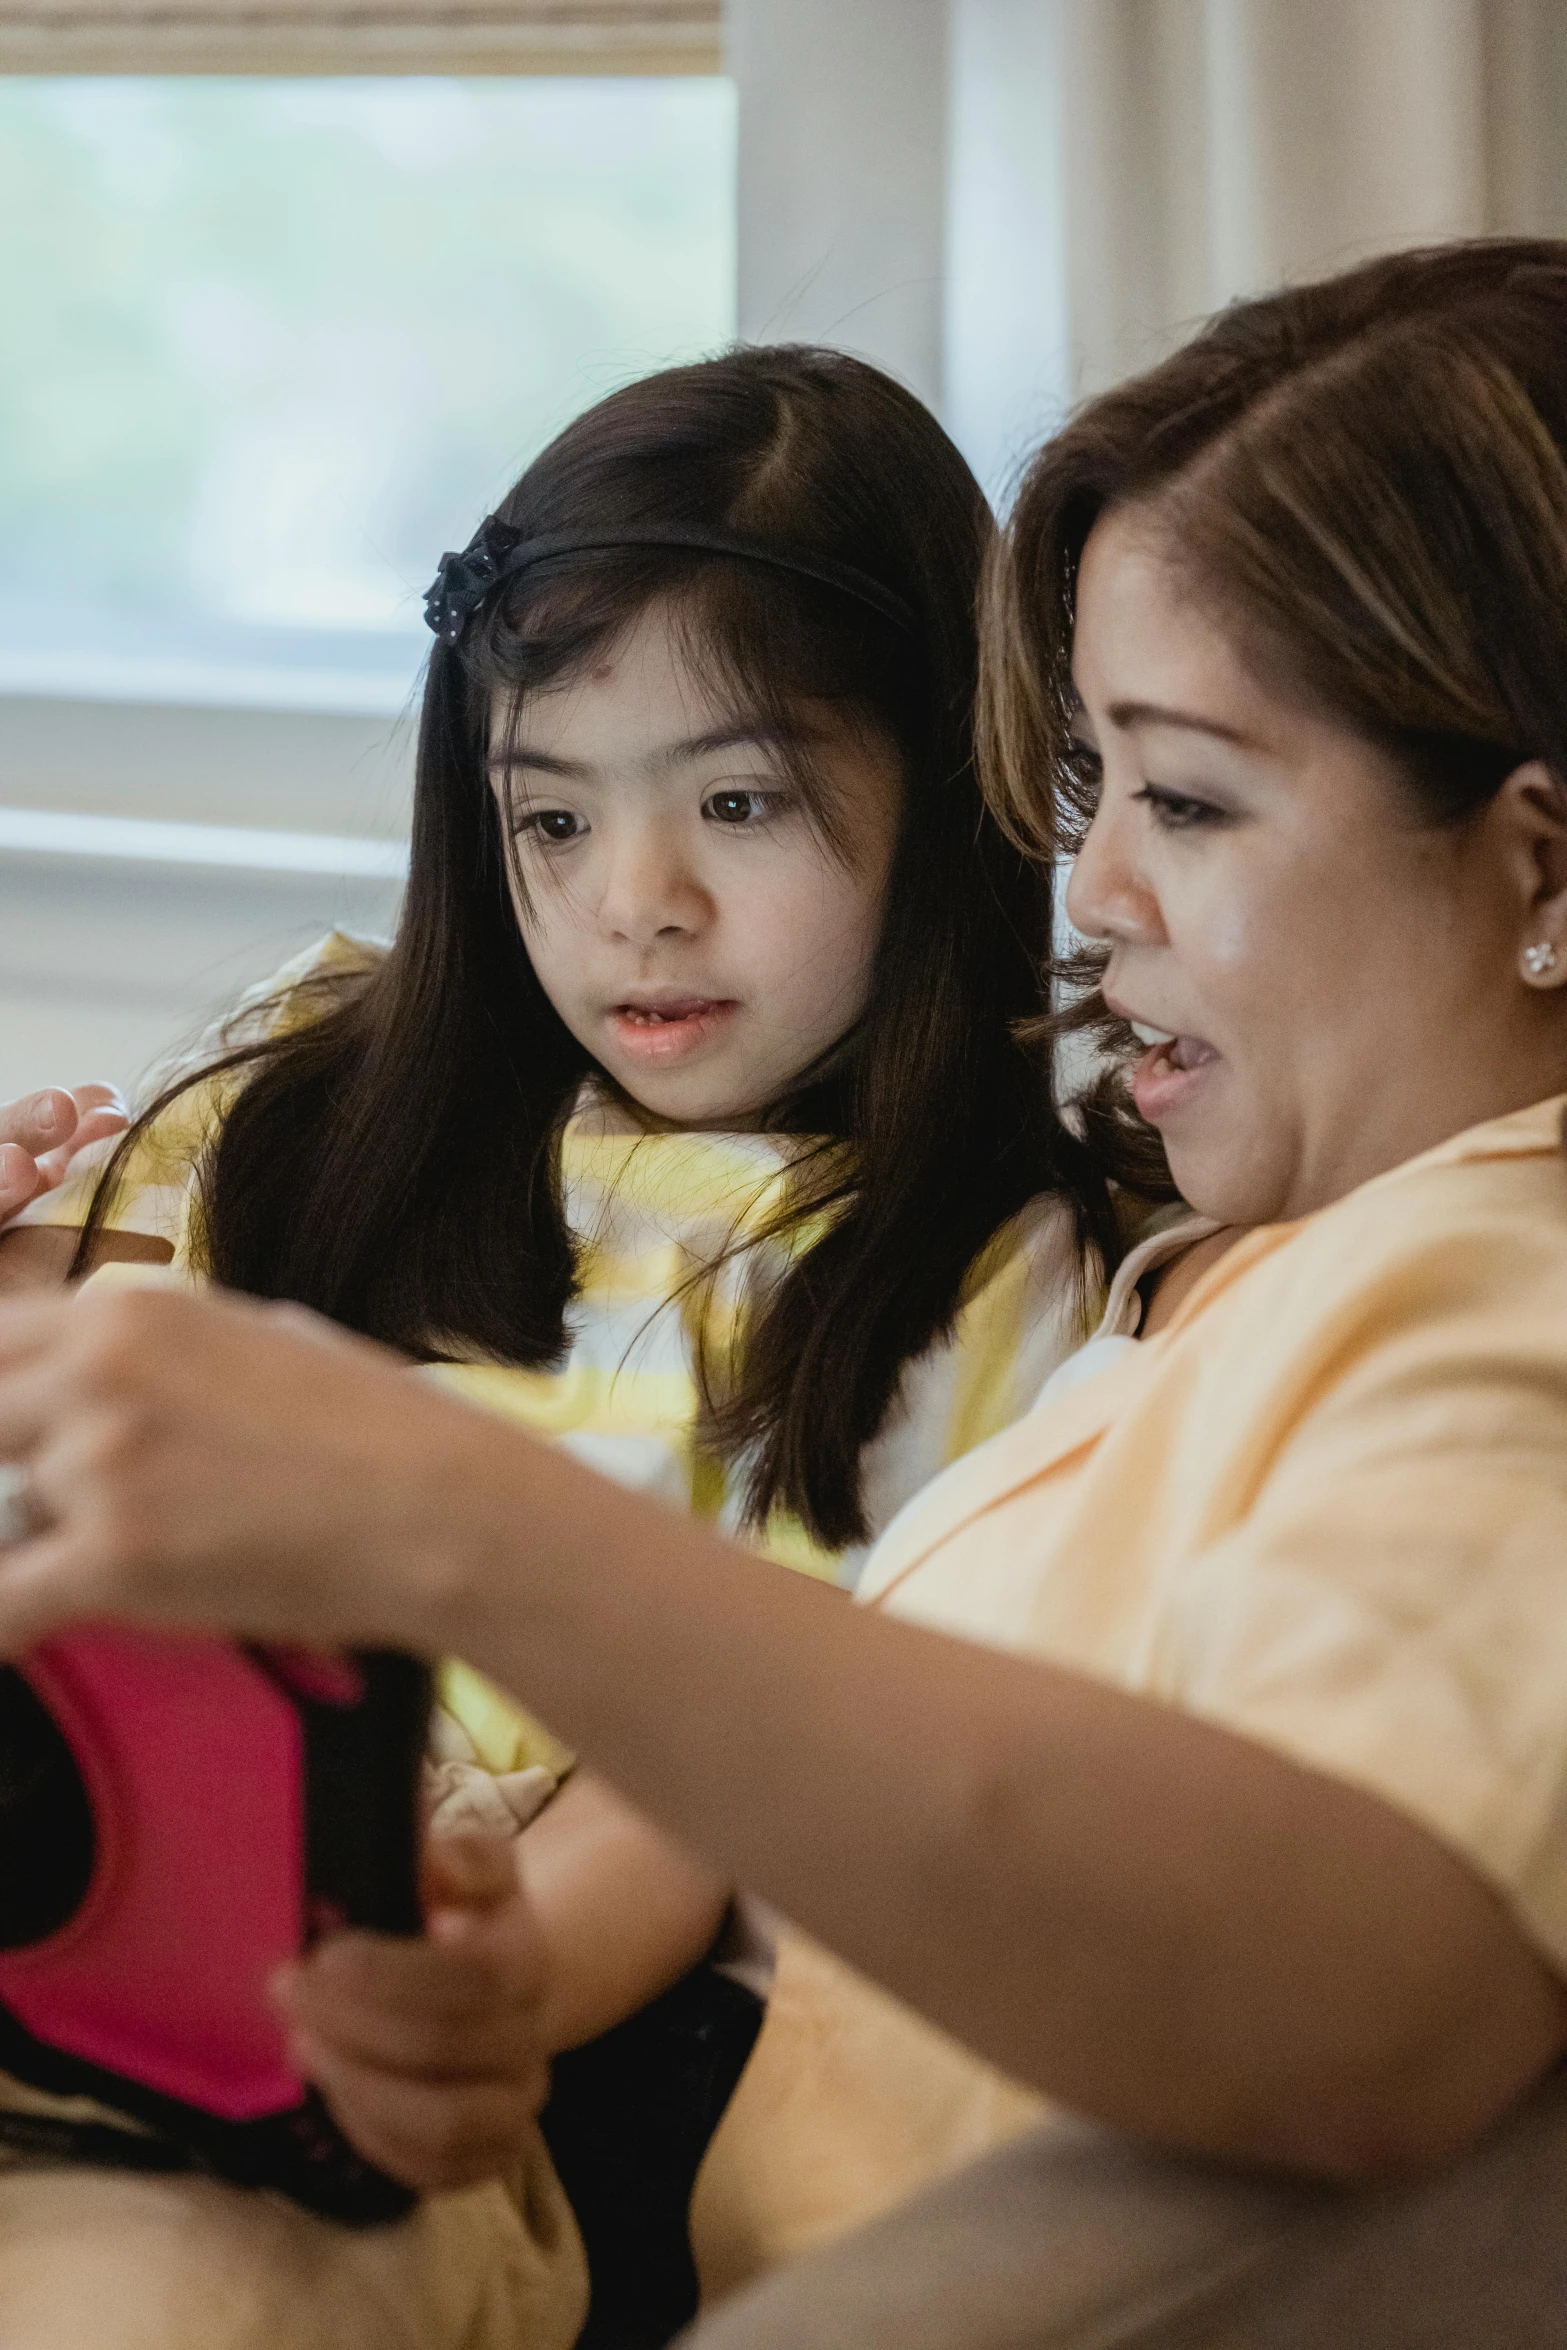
(670, 1030)
(1169, 1075)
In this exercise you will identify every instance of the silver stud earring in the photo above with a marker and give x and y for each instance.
(1537, 960)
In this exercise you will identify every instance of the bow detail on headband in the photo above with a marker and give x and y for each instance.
(498, 548)
(463, 581)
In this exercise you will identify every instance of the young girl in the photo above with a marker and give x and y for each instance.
(685, 1116)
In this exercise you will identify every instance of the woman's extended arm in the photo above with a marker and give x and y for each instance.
(1160, 1923)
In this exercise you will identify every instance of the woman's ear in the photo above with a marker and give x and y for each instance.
(1532, 807)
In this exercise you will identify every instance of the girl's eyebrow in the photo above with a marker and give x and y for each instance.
(541, 763)
(518, 756)
(728, 738)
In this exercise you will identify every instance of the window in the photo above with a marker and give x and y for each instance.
(286, 340)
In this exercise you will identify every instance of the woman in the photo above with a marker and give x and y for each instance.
(1254, 1845)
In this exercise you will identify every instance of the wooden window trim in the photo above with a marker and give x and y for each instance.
(361, 37)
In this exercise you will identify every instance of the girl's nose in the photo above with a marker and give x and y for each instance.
(1107, 894)
(650, 893)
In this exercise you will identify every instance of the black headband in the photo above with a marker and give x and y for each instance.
(499, 551)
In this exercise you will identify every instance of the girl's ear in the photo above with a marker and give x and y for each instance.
(1532, 809)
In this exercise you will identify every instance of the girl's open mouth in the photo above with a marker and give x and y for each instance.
(1170, 1073)
(672, 1028)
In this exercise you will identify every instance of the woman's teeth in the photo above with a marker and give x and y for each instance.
(1181, 1052)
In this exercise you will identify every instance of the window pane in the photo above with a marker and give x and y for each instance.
(274, 345)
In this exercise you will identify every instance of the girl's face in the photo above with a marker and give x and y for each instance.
(1338, 984)
(682, 911)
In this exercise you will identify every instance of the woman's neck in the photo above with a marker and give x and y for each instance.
(1168, 1285)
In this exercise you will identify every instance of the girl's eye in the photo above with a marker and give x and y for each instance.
(1178, 811)
(1083, 764)
(552, 824)
(739, 807)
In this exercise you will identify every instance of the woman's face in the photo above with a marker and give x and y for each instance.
(1337, 983)
(682, 911)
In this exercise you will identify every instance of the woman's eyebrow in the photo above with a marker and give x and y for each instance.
(1131, 714)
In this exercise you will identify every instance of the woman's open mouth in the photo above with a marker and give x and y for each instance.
(1170, 1073)
(671, 1027)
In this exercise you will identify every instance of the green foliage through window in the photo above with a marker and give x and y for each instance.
(270, 346)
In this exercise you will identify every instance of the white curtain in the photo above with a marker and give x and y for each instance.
(1216, 147)
(360, 36)
(1120, 168)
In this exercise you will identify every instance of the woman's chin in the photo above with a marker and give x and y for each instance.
(1225, 1178)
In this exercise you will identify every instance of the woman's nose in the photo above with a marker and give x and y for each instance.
(1107, 895)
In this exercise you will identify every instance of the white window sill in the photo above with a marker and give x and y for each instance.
(48, 832)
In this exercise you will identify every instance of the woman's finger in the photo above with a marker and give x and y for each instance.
(29, 1401)
(30, 1325)
(44, 1583)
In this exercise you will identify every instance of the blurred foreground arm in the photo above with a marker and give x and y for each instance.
(1168, 1926)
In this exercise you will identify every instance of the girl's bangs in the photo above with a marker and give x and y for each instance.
(773, 651)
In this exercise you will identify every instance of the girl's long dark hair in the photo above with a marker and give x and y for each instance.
(394, 1161)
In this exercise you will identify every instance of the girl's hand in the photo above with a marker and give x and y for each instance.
(42, 1133)
(428, 2052)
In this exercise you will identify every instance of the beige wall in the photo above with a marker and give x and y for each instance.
(1271, 140)
(107, 961)
(107, 964)
(842, 181)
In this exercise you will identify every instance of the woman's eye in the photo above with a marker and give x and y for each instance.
(552, 824)
(739, 807)
(1178, 811)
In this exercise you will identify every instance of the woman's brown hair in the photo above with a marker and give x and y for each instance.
(394, 1161)
(1366, 481)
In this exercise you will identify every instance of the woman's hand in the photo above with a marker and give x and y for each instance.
(428, 2051)
(205, 1459)
(43, 1132)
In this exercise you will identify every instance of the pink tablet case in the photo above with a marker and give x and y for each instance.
(237, 1801)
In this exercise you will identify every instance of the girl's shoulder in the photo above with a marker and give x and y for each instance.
(299, 990)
